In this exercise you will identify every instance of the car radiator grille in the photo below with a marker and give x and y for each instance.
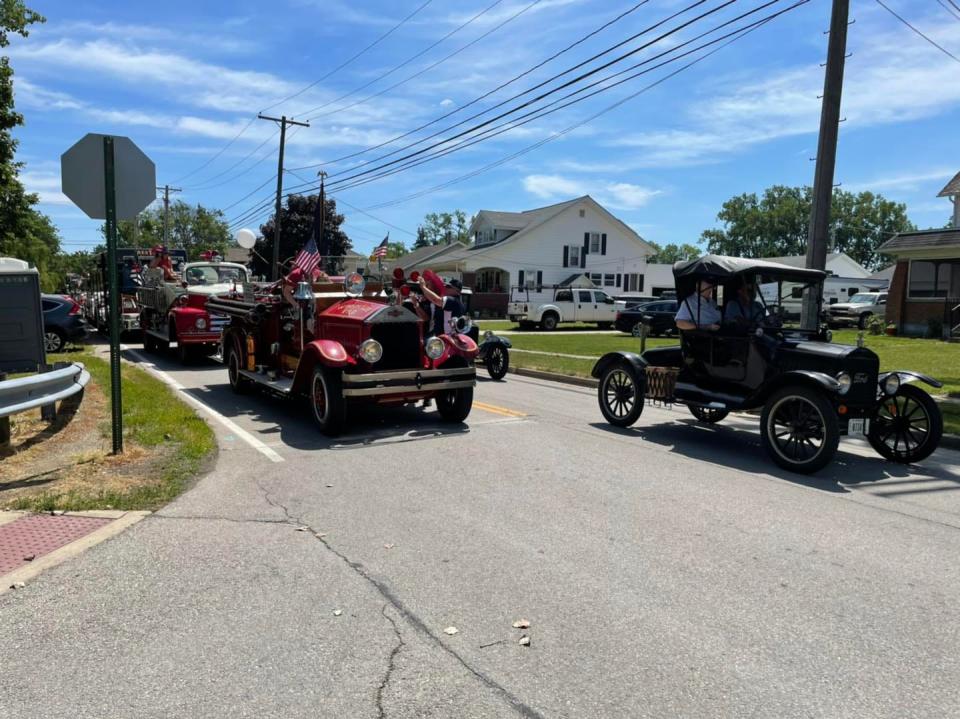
(401, 345)
(218, 322)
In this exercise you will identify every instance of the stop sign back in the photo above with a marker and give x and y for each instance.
(83, 181)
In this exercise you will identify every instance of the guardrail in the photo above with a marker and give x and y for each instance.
(40, 390)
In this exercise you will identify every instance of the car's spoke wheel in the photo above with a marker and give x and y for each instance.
(907, 426)
(620, 395)
(799, 429)
(327, 401)
(53, 341)
(710, 415)
(498, 361)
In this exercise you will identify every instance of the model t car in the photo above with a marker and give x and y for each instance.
(493, 350)
(341, 342)
(809, 391)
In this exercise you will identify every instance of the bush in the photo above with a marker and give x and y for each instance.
(875, 326)
(934, 328)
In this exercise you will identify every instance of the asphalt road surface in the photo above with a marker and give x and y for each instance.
(669, 570)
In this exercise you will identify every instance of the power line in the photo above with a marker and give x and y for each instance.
(556, 104)
(401, 65)
(205, 186)
(940, 48)
(950, 8)
(571, 128)
(220, 152)
(483, 96)
(349, 60)
(527, 103)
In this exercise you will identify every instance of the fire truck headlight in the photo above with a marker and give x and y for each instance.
(434, 347)
(371, 351)
(200, 323)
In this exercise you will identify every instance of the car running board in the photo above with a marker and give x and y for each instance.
(280, 385)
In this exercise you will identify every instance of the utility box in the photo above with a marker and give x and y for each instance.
(21, 318)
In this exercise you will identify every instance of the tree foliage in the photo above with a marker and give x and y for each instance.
(25, 233)
(194, 229)
(296, 225)
(395, 250)
(777, 224)
(668, 254)
(443, 228)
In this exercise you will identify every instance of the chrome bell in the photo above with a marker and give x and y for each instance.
(304, 292)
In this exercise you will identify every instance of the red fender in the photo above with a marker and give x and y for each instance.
(328, 353)
(457, 346)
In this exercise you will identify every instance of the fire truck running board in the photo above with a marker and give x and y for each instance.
(280, 385)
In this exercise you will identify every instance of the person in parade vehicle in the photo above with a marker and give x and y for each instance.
(447, 306)
(161, 260)
(699, 310)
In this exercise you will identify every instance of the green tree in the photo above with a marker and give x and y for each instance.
(195, 229)
(395, 250)
(422, 239)
(777, 224)
(295, 229)
(25, 233)
(445, 228)
(668, 254)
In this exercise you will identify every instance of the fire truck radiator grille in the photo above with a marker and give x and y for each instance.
(401, 345)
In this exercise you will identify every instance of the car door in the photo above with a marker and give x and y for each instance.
(585, 306)
(604, 307)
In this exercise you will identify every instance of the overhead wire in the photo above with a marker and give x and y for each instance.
(954, 13)
(905, 22)
(483, 96)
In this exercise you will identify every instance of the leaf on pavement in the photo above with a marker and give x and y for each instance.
(389, 546)
(337, 612)
(524, 641)
(521, 624)
(451, 631)
(302, 529)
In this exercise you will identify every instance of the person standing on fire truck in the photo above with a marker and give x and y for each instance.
(446, 308)
(161, 260)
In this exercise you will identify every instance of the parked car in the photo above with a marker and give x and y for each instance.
(551, 306)
(661, 316)
(626, 302)
(809, 391)
(859, 310)
(62, 322)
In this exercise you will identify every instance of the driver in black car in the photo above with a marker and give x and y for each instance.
(744, 310)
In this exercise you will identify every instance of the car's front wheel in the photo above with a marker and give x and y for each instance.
(498, 362)
(709, 415)
(799, 429)
(907, 426)
(54, 340)
(548, 323)
(620, 394)
(864, 320)
(327, 401)
(454, 405)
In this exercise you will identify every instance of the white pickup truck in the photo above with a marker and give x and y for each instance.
(565, 305)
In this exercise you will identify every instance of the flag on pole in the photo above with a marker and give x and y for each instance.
(308, 258)
(381, 249)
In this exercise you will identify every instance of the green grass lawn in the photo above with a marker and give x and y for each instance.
(177, 440)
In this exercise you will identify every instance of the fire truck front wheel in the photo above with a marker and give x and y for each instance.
(327, 401)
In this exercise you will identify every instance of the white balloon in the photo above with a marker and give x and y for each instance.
(246, 238)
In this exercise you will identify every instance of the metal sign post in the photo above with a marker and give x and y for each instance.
(110, 205)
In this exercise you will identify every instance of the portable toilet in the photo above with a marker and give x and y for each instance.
(21, 317)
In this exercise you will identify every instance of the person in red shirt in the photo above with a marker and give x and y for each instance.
(161, 260)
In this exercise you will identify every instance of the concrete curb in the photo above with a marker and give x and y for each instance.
(122, 520)
(950, 441)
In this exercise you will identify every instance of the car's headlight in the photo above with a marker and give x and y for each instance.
(200, 323)
(891, 385)
(354, 283)
(434, 347)
(371, 351)
(844, 380)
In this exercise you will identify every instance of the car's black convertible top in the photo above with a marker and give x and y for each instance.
(720, 268)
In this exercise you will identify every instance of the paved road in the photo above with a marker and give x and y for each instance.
(668, 570)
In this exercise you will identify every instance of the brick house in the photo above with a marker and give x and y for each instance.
(925, 289)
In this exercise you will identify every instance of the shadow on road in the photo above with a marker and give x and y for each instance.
(740, 448)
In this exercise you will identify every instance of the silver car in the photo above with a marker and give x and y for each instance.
(859, 310)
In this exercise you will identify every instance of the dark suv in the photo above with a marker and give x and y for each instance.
(660, 313)
(810, 391)
(62, 322)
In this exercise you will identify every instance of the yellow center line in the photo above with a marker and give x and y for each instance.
(493, 409)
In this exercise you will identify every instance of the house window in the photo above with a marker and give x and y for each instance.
(940, 278)
(573, 259)
(633, 282)
(609, 281)
(597, 279)
(583, 213)
(530, 279)
(594, 243)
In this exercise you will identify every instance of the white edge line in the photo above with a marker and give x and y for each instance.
(225, 421)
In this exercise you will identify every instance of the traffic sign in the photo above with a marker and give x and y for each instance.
(83, 177)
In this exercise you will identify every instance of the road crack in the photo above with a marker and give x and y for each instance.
(381, 713)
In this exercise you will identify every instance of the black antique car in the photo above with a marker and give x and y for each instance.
(493, 349)
(809, 391)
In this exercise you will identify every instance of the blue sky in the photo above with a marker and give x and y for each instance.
(183, 78)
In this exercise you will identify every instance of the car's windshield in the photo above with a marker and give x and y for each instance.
(214, 274)
(863, 299)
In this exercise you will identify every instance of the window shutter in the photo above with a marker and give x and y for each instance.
(520, 278)
(539, 280)
(618, 281)
(640, 283)
(603, 243)
(586, 249)
(566, 255)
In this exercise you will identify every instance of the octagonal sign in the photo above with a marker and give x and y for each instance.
(83, 181)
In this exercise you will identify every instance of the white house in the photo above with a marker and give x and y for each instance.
(553, 245)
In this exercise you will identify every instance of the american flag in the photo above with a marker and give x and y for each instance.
(381, 249)
(308, 258)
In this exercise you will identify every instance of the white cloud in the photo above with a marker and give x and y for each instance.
(906, 181)
(446, 102)
(616, 195)
(46, 185)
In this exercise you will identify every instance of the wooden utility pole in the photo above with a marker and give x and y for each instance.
(818, 238)
(283, 120)
(166, 189)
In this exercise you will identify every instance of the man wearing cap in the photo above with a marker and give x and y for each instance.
(161, 260)
(699, 310)
(447, 308)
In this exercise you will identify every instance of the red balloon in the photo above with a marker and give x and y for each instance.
(433, 279)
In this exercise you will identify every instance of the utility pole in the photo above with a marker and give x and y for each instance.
(323, 221)
(166, 189)
(283, 120)
(818, 237)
